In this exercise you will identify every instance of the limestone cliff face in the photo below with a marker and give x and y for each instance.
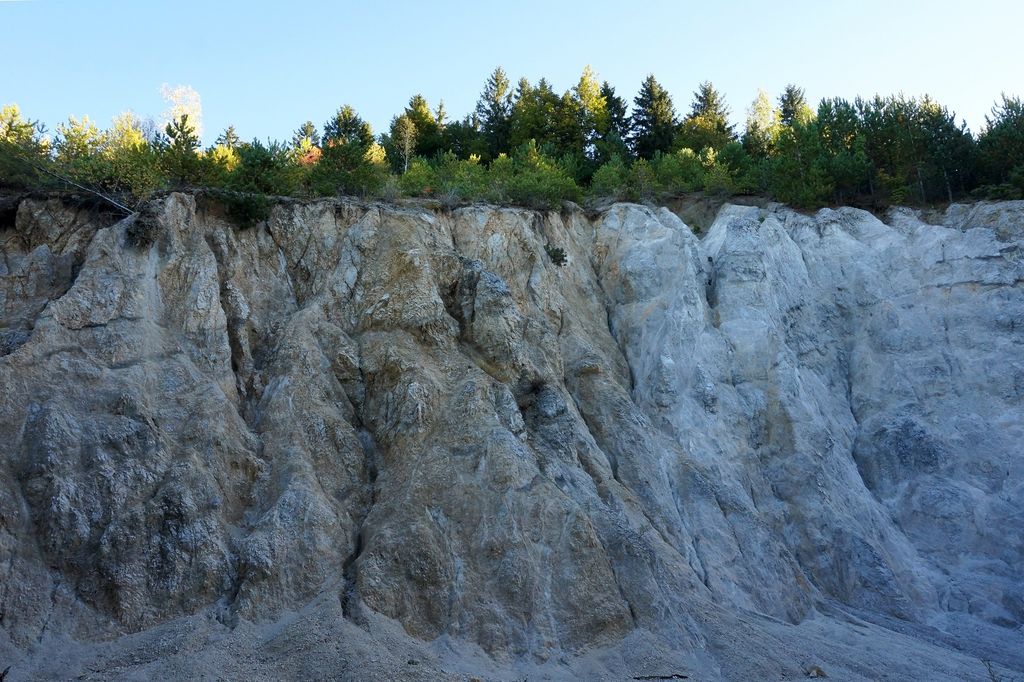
(389, 442)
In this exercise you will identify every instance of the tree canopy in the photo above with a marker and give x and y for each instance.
(654, 124)
(537, 145)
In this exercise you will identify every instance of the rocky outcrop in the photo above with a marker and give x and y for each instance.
(383, 441)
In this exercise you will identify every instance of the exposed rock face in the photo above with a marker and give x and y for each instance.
(378, 441)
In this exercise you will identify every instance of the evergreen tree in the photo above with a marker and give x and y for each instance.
(707, 126)
(20, 140)
(494, 113)
(181, 135)
(306, 131)
(125, 133)
(654, 123)
(228, 139)
(1001, 144)
(179, 151)
(349, 168)
(797, 174)
(346, 127)
(131, 164)
(708, 102)
(78, 147)
(464, 139)
(949, 152)
(617, 119)
(892, 146)
(613, 128)
(876, 151)
(534, 116)
(427, 132)
(16, 130)
(77, 140)
(793, 105)
(264, 169)
(571, 127)
(843, 148)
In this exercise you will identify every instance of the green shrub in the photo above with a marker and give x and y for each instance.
(677, 173)
(556, 254)
(391, 189)
(349, 168)
(1001, 192)
(135, 170)
(719, 181)
(1017, 178)
(420, 180)
(643, 182)
(244, 209)
(610, 180)
(500, 173)
(263, 169)
(18, 166)
(541, 188)
(461, 179)
(530, 179)
(77, 150)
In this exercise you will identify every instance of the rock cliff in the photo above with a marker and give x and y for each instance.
(367, 441)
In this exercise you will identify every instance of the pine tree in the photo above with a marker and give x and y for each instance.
(709, 103)
(654, 123)
(306, 131)
(464, 139)
(179, 152)
(346, 127)
(182, 135)
(534, 115)
(78, 139)
(228, 138)
(20, 139)
(707, 126)
(793, 105)
(494, 112)
(617, 118)
(613, 127)
(16, 130)
(427, 135)
(440, 115)
(1001, 144)
(842, 147)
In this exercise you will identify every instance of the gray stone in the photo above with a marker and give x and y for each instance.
(362, 435)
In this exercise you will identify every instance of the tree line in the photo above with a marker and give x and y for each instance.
(527, 144)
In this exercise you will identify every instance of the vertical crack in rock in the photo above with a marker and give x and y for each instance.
(351, 605)
(234, 320)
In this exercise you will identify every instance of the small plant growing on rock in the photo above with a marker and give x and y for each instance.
(144, 229)
(556, 254)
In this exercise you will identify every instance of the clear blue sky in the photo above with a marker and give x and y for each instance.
(268, 66)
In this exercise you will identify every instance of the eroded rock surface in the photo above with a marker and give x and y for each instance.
(376, 441)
